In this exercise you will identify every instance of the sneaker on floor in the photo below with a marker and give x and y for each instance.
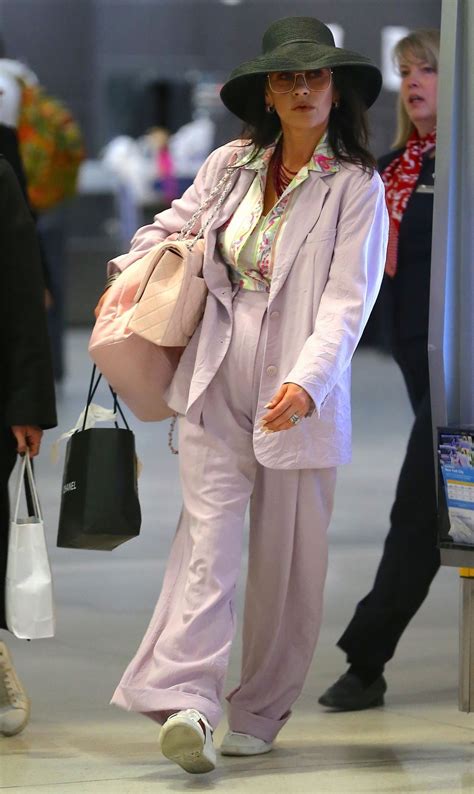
(350, 694)
(235, 743)
(14, 702)
(186, 738)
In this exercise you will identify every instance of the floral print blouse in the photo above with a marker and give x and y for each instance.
(248, 242)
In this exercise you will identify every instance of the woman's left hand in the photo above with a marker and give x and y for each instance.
(290, 400)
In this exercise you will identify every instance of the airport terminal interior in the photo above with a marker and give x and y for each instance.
(147, 83)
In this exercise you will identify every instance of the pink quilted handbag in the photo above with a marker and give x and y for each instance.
(172, 294)
(150, 313)
(138, 370)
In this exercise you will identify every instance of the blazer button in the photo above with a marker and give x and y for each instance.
(274, 315)
(272, 371)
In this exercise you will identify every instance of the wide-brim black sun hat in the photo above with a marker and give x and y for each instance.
(297, 44)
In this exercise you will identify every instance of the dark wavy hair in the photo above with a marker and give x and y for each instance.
(348, 128)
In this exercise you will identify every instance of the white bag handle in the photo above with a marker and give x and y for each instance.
(25, 465)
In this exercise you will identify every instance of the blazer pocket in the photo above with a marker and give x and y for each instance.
(195, 304)
(321, 235)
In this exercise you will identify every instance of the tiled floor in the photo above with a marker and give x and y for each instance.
(77, 744)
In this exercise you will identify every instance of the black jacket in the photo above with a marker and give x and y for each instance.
(408, 292)
(11, 151)
(26, 379)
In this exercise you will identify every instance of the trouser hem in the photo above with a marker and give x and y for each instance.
(264, 728)
(159, 703)
(364, 657)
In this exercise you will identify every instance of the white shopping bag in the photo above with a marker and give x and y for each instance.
(29, 588)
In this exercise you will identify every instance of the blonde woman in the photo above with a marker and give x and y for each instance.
(411, 558)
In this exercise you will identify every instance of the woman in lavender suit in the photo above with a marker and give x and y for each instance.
(293, 262)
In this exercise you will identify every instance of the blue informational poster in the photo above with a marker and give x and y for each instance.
(456, 458)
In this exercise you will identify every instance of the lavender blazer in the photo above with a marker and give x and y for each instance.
(331, 256)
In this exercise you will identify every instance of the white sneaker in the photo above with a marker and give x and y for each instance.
(14, 702)
(235, 743)
(186, 738)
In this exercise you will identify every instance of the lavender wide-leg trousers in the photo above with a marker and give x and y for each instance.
(183, 658)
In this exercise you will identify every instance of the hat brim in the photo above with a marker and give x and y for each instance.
(291, 58)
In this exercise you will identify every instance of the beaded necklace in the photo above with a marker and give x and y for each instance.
(282, 175)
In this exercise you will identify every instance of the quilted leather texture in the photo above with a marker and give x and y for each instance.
(138, 370)
(172, 295)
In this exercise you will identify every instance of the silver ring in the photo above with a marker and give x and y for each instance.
(294, 419)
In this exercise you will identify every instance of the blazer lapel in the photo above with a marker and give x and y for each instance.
(308, 203)
(214, 271)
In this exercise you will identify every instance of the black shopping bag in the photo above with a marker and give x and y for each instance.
(99, 501)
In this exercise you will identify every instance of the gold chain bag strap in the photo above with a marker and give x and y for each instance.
(172, 294)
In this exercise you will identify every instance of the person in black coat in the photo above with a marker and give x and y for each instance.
(411, 558)
(10, 149)
(27, 402)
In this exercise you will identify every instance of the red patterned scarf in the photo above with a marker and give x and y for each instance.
(400, 178)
